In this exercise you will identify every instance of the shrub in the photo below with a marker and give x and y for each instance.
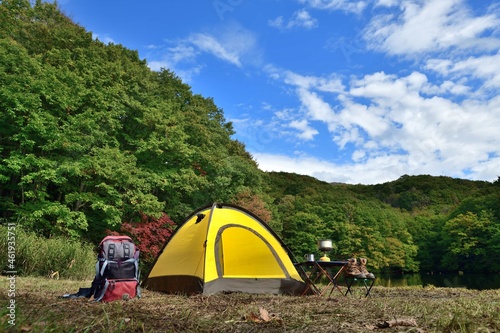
(150, 234)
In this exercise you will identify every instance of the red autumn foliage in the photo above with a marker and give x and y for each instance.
(255, 204)
(150, 235)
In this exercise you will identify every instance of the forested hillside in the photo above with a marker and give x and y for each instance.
(91, 138)
(416, 222)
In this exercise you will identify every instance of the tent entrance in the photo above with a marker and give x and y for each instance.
(241, 252)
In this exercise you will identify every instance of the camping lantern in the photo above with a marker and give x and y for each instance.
(325, 245)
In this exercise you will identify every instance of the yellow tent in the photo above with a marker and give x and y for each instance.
(224, 248)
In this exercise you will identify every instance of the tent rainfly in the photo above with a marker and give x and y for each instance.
(224, 248)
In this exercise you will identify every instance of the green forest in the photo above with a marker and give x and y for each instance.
(93, 141)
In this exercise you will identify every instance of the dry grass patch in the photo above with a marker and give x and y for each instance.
(388, 310)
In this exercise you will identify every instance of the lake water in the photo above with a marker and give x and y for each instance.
(465, 280)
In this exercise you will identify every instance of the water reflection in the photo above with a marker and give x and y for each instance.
(465, 280)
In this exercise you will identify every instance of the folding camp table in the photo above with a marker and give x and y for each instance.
(312, 271)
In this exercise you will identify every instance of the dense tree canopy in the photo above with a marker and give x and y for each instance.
(92, 137)
(92, 140)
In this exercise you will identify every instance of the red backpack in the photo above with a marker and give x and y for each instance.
(117, 270)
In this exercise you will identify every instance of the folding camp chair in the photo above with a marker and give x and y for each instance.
(367, 283)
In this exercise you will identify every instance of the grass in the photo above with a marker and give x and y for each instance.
(39, 256)
(426, 309)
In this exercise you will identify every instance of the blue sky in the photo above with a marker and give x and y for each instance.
(353, 91)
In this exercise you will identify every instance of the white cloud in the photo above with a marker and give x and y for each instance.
(331, 83)
(316, 107)
(486, 169)
(175, 59)
(389, 124)
(378, 170)
(278, 22)
(431, 26)
(351, 6)
(307, 132)
(386, 3)
(171, 56)
(308, 88)
(230, 43)
(484, 67)
(370, 119)
(358, 155)
(103, 38)
(300, 19)
(182, 52)
(448, 87)
(401, 120)
(210, 44)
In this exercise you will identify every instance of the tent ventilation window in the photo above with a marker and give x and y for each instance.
(199, 217)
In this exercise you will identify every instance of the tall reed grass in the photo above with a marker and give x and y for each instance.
(56, 257)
